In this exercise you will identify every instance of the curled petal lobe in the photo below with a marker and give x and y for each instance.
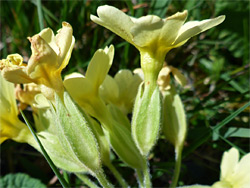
(14, 70)
(65, 41)
(43, 56)
(48, 35)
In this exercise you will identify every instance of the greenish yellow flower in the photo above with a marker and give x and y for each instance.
(235, 173)
(10, 126)
(151, 35)
(50, 54)
(121, 90)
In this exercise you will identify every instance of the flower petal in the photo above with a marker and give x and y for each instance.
(109, 90)
(128, 86)
(74, 84)
(42, 55)
(193, 28)
(99, 66)
(228, 164)
(146, 30)
(16, 75)
(241, 175)
(48, 35)
(7, 97)
(114, 20)
(171, 27)
(65, 41)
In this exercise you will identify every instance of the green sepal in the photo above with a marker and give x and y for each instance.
(75, 134)
(146, 118)
(122, 143)
(119, 116)
(174, 118)
(103, 143)
(62, 158)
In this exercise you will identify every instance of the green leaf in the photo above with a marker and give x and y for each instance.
(237, 132)
(20, 180)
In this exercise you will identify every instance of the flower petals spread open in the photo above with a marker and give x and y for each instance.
(151, 31)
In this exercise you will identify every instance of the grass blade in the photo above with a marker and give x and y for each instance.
(229, 118)
(40, 14)
(53, 167)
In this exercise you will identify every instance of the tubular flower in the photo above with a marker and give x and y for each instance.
(50, 54)
(151, 35)
(10, 126)
(121, 90)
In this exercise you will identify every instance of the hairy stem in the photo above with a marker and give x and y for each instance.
(102, 180)
(178, 152)
(146, 174)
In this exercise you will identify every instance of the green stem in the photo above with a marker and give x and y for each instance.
(178, 152)
(117, 175)
(146, 174)
(139, 177)
(86, 180)
(102, 180)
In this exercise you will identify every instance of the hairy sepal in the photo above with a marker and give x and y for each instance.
(75, 133)
(146, 118)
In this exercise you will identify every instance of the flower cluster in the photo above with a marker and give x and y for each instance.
(81, 118)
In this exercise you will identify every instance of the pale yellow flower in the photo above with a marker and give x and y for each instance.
(121, 90)
(151, 35)
(50, 54)
(10, 126)
(85, 89)
(235, 173)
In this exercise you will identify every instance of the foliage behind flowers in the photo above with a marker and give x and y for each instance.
(109, 142)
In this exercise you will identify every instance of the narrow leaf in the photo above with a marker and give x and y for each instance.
(53, 167)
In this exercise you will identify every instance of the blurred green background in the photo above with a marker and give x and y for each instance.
(215, 62)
